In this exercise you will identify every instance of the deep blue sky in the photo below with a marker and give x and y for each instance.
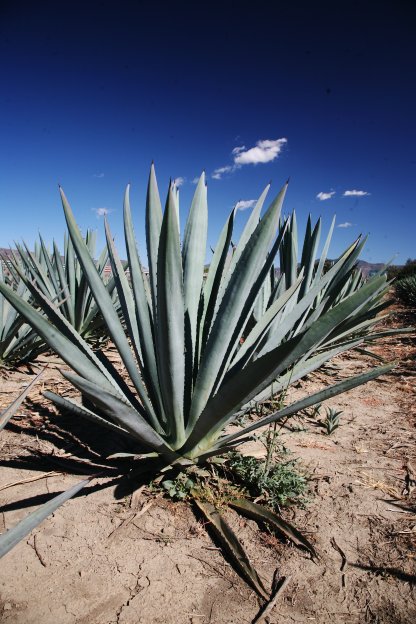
(91, 93)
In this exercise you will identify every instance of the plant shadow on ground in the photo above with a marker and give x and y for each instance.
(61, 442)
(387, 571)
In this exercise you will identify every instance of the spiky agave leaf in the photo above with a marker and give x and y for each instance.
(233, 546)
(10, 411)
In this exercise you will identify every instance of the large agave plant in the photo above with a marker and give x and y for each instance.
(183, 351)
(197, 351)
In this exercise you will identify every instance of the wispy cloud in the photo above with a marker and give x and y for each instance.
(323, 196)
(347, 224)
(218, 173)
(101, 212)
(355, 193)
(243, 204)
(264, 151)
(98, 175)
(179, 181)
(195, 181)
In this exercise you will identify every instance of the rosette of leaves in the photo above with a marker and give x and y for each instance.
(406, 290)
(18, 341)
(180, 340)
(61, 280)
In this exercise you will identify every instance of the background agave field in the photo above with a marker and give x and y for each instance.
(202, 359)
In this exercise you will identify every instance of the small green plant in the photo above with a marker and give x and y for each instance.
(180, 487)
(331, 421)
(278, 483)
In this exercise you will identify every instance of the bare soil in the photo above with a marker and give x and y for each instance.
(112, 557)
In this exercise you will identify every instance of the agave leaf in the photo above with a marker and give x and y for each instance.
(324, 254)
(170, 324)
(121, 413)
(143, 312)
(247, 310)
(233, 546)
(336, 283)
(262, 514)
(10, 411)
(153, 226)
(213, 281)
(313, 399)
(50, 276)
(309, 256)
(70, 313)
(306, 365)
(193, 256)
(258, 330)
(370, 354)
(124, 293)
(80, 410)
(289, 252)
(232, 305)
(248, 230)
(70, 269)
(105, 304)
(13, 536)
(389, 332)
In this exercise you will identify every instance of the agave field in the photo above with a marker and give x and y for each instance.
(184, 387)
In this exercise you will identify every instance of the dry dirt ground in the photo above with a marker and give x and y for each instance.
(111, 557)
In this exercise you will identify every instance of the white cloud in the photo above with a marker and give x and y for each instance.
(179, 181)
(218, 173)
(323, 196)
(265, 151)
(102, 212)
(195, 181)
(355, 193)
(243, 204)
(98, 175)
(347, 224)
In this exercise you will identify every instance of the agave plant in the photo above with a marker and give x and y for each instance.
(193, 354)
(311, 270)
(406, 290)
(18, 341)
(61, 280)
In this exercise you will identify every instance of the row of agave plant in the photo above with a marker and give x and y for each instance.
(61, 280)
(198, 349)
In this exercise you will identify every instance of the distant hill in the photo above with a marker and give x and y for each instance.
(368, 268)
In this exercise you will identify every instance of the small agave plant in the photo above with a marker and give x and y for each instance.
(61, 280)
(18, 341)
(199, 350)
